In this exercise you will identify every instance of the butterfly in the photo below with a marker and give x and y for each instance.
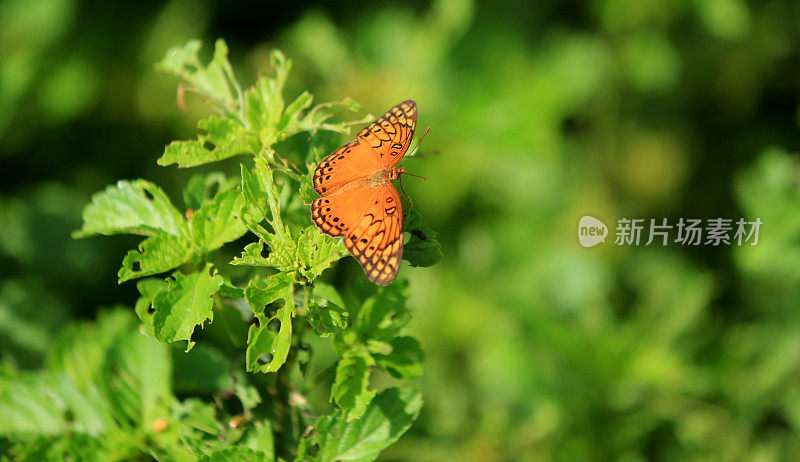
(359, 202)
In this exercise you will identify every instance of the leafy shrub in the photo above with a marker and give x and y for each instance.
(250, 389)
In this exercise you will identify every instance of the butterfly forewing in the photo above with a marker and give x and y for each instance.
(390, 135)
(352, 162)
(361, 206)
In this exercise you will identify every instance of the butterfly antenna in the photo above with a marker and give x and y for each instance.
(418, 176)
(418, 142)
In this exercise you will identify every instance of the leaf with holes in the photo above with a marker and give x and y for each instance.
(316, 252)
(184, 304)
(156, 254)
(269, 340)
(220, 138)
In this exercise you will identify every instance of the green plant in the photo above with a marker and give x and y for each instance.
(251, 385)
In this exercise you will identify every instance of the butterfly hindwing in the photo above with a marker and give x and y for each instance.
(336, 214)
(376, 241)
(390, 134)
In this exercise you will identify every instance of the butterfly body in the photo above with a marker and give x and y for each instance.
(359, 202)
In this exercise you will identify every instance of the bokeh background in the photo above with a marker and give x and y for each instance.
(542, 112)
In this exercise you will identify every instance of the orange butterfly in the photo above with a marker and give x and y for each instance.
(358, 200)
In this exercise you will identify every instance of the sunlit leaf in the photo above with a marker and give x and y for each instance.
(134, 207)
(389, 414)
(184, 304)
(156, 254)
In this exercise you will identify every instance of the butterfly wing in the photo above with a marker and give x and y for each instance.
(337, 214)
(390, 134)
(351, 162)
(379, 145)
(376, 240)
(371, 221)
(369, 217)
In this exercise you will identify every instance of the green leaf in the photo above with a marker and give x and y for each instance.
(383, 312)
(388, 416)
(268, 341)
(40, 404)
(326, 312)
(404, 361)
(134, 207)
(252, 255)
(156, 254)
(226, 137)
(422, 248)
(268, 350)
(316, 252)
(254, 192)
(148, 288)
(184, 304)
(203, 188)
(215, 81)
(261, 292)
(218, 222)
(351, 386)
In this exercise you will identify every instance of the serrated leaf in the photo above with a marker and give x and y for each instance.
(156, 254)
(422, 248)
(254, 192)
(404, 361)
(307, 192)
(185, 304)
(261, 292)
(252, 255)
(350, 388)
(268, 342)
(218, 222)
(390, 414)
(215, 81)
(226, 137)
(135, 207)
(316, 252)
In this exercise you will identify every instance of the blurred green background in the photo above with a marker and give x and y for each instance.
(543, 112)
